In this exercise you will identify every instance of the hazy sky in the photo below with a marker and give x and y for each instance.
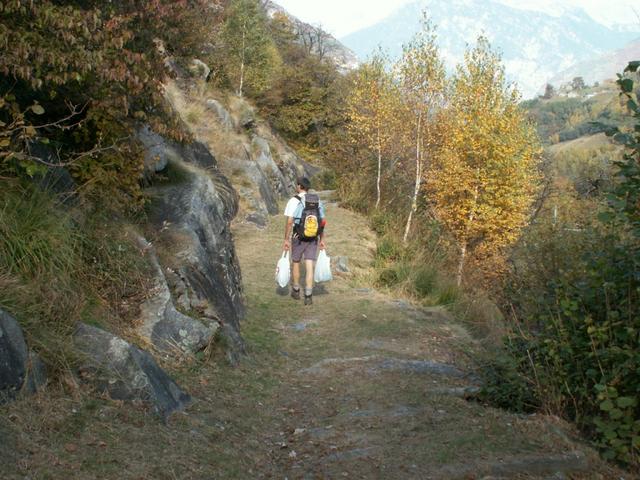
(341, 17)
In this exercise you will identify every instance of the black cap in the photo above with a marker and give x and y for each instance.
(305, 183)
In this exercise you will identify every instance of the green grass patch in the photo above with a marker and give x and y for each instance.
(425, 281)
(449, 294)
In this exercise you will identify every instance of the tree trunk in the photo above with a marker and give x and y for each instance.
(472, 214)
(418, 183)
(242, 58)
(379, 170)
(463, 254)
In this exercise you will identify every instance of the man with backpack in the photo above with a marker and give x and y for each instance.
(303, 234)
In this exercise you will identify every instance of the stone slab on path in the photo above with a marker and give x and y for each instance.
(512, 467)
(376, 364)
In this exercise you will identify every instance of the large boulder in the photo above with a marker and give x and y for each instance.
(264, 169)
(21, 371)
(125, 372)
(266, 180)
(192, 219)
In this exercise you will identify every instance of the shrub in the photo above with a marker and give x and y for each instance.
(388, 277)
(503, 381)
(578, 348)
(381, 222)
(388, 249)
(39, 253)
(325, 180)
(34, 236)
(449, 295)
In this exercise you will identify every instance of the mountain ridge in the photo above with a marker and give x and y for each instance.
(602, 67)
(343, 57)
(535, 45)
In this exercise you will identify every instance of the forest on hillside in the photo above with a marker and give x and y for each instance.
(537, 249)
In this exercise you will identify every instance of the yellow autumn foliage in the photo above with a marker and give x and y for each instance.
(484, 180)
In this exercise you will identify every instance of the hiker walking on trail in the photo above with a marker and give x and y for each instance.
(303, 234)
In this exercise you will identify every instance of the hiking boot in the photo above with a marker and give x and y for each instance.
(308, 300)
(295, 294)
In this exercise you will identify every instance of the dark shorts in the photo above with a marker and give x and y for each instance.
(299, 249)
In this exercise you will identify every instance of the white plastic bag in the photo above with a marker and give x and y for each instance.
(323, 268)
(283, 270)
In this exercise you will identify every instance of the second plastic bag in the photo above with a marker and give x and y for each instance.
(323, 268)
(283, 270)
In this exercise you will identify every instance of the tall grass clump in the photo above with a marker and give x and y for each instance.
(35, 237)
(417, 270)
(57, 270)
(39, 257)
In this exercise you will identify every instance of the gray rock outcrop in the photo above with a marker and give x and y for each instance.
(342, 264)
(21, 371)
(191, 217)
(126, 372)
(157, 155)
(268, 180)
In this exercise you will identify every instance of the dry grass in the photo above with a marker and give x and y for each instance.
(227, 146)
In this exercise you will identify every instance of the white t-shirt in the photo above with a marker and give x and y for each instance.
(292, 205)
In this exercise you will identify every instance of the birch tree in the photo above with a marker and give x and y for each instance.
(423, 82)
(251, 58)
(485, 179)
(371, 111)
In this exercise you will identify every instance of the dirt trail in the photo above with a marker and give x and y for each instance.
(359, 385)
(373, 388)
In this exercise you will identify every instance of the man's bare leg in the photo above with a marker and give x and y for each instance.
(308, 265)
(296, 275)
(295, 284)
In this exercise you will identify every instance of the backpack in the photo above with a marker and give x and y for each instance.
(311, 223)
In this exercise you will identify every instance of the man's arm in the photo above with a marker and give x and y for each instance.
(321, 237)
(287, 232)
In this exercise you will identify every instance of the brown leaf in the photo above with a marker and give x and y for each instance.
(71, 447)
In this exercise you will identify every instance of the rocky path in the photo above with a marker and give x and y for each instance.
(374, 388)
(359, 385)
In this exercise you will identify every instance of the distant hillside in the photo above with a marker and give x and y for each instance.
(321, 41)
(535, 45)
(586, 112)
(601, 67)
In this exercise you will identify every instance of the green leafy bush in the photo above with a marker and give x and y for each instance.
(577, 350)
(78, 79)
(504, 383)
